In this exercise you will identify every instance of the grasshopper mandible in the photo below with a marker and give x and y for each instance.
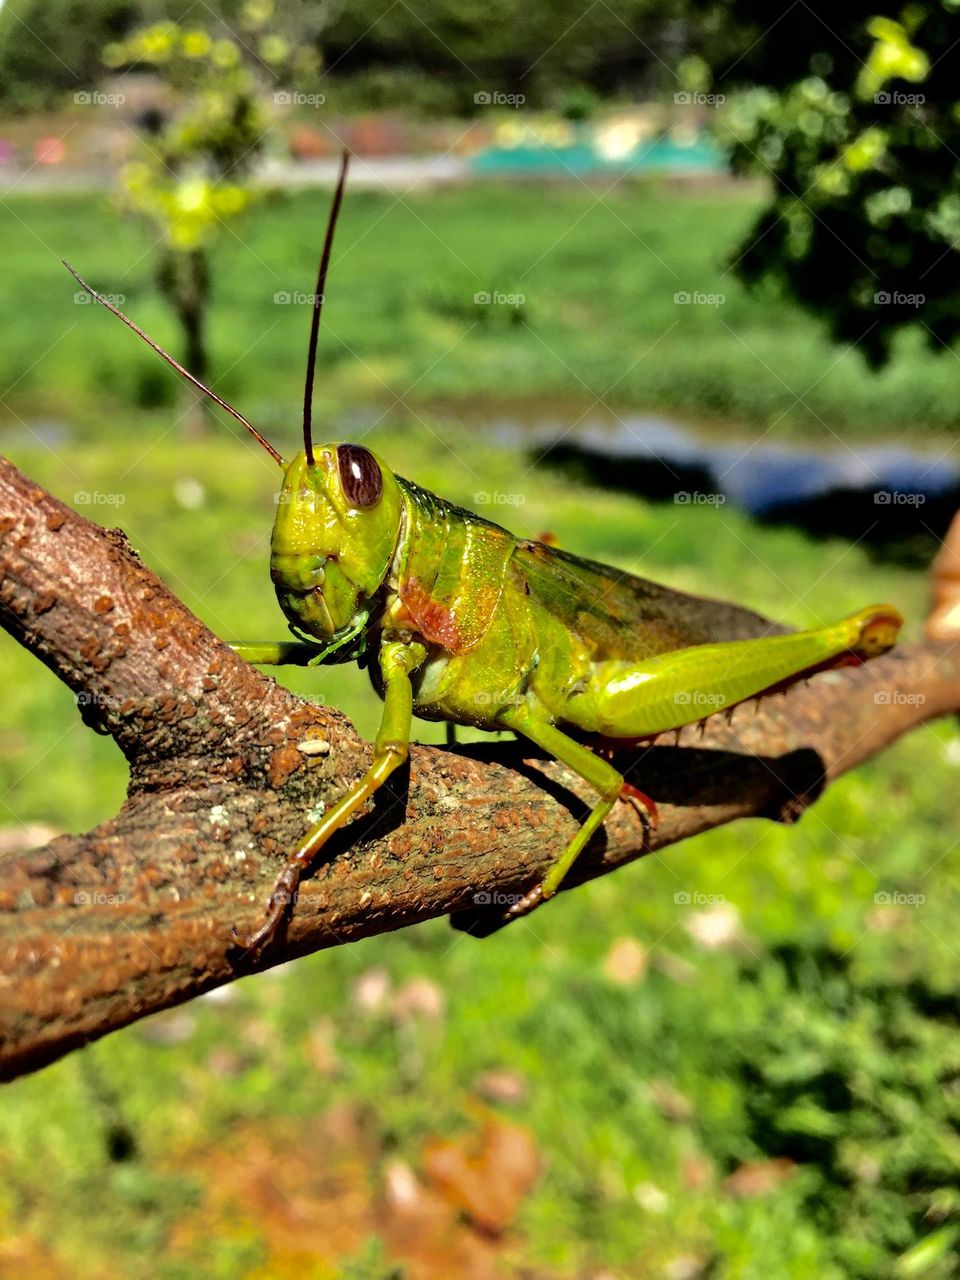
(461, 621)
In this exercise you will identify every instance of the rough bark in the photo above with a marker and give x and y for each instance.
(99, 929)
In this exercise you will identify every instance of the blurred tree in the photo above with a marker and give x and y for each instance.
(856, 118)
(396, 56)
(442, 57)
(195, 173)
(49, 46)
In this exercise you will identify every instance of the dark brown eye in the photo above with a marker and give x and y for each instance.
(359, 476)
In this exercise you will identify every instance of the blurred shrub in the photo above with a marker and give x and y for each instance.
(856, 119)
(193, 175)
(859, 1081)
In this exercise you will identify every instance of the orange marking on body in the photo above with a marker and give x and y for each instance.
(436, 622)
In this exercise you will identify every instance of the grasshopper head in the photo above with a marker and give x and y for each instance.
(336, 529)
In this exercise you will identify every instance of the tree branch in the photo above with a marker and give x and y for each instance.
(100, 929)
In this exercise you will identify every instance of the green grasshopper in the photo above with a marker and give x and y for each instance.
(461, 621)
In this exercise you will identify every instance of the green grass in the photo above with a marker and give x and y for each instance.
(827, 1035)
(825, 1032)
(598, 320)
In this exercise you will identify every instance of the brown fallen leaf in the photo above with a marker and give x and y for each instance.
(225, 1062)
(322, 1047)
(428, 1233)
(696, 1172)
(370, 991)
(500, 1084)
(418, 998)
(758, 1177)
(626, 962)
(670, 1102)
(487, 1175)
(313, 1190)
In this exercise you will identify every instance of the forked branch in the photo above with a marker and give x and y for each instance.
(100, 929)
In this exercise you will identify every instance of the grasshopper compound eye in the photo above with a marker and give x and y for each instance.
(360, 476)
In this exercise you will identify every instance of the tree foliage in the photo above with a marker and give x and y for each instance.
(855, 117)
(396, 56)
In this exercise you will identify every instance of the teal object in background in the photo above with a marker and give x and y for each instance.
(660, 155)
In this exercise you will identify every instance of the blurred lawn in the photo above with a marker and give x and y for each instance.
(823, 1030)
(598, 317)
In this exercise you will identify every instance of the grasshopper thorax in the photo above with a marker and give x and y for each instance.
(335, 533)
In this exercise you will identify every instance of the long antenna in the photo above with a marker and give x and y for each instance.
(317, 306)
(175, 364)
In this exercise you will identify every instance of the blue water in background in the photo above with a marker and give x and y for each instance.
(757, 475)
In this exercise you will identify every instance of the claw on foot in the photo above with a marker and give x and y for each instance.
(523, 906)
(646, 807)
(280, 903)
